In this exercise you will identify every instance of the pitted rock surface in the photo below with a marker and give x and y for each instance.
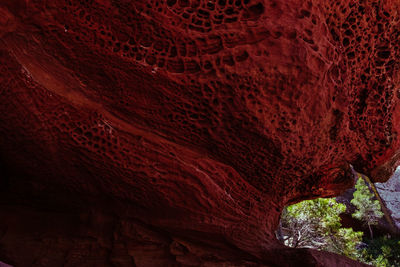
(205, 118)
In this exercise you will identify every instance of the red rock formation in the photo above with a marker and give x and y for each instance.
(179, 129)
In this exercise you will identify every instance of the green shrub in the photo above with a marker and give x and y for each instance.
(382, 252)
(316, 224)
(368, 210)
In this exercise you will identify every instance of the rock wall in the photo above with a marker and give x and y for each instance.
(390, 192)
(205, 118)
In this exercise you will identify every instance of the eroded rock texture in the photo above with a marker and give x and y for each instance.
(184, 127)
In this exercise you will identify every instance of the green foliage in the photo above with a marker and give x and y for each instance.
(368, 210)
(316, 224)
(382, 252)
(348, 240)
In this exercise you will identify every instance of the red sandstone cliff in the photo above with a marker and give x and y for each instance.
(169, 133)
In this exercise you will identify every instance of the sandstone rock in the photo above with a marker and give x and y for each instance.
(203, 119)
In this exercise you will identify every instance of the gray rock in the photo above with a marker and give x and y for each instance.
(390, 193)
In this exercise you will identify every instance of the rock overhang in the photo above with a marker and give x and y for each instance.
(212, 116)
